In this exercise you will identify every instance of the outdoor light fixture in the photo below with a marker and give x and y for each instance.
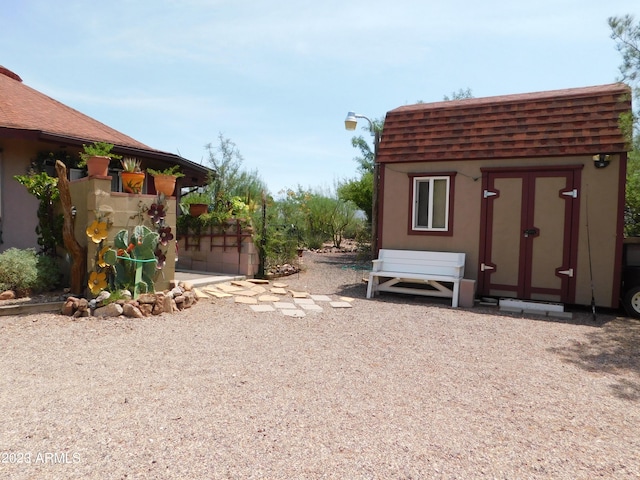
(350, 123)
(601, 160)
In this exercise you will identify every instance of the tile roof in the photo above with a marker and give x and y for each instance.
(23, 108)
(575, 121)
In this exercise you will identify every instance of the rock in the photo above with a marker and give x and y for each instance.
(110, 310)
(102, 296)
(147, 298)
(126, 294)
(158, 308)
(168, 304)
(70, 306)
(175, 292)
(189, 299)
(187, 286)
(146, 309)
(130, 310)
(7, 295)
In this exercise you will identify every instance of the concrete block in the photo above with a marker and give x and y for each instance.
(467, 293)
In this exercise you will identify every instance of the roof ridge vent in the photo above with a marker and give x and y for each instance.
(8, 73)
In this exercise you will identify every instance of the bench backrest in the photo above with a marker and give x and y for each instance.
(417, 261)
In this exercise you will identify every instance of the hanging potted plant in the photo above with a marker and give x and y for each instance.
(132, 175)
(165, 180)
(197, 203)
(96, 158)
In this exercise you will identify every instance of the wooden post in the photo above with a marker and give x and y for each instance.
(78, 252)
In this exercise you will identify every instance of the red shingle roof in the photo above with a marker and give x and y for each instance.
(578, 121)
(23, 108)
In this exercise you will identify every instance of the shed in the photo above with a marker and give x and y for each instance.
(531, 187)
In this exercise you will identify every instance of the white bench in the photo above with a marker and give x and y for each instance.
(417, 267)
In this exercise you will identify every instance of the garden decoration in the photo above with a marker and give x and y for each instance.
(132, 175)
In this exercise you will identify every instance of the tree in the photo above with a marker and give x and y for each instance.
(626, 34)
(360, 190)
(461, 94)
(229, 179)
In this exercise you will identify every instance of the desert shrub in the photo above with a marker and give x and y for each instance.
(25, 270)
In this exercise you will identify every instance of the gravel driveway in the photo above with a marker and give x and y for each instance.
(394, 387)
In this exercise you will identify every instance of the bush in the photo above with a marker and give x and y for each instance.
(25, 271)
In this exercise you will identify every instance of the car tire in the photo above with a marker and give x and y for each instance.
(631, 302)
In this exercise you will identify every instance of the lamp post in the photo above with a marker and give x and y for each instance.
(350, 123)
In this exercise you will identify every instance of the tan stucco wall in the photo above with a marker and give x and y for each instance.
(91, 195)
(18, 209)
(599, 185)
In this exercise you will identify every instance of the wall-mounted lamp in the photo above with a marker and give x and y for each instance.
(601, 160)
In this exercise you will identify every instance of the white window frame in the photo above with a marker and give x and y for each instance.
(414, 210)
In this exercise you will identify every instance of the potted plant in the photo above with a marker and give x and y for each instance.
(197, 203)
(96, 158)
(165, 180)
(132, 175)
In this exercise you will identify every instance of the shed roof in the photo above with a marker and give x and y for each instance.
(577, 121)
(27, 113)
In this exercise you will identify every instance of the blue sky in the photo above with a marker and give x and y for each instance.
(278, 78)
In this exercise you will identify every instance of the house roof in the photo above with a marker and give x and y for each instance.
(577, 121)
(27, 113)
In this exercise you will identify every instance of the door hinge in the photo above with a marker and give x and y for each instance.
(568, 273)
(571, 193)
(484, 266)
(488, 194)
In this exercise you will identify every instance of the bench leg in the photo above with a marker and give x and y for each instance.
(456, 294)
(370, 289)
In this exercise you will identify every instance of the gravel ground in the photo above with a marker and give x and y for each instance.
(395, 387)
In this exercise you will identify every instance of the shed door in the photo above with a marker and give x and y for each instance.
(529, 234)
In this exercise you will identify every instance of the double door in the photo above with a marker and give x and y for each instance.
(529, 233)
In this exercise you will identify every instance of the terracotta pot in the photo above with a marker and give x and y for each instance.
(197, 209)
(132, 182)
(98, 166)
(165, 184)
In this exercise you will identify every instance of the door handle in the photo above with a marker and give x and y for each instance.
(530, 231)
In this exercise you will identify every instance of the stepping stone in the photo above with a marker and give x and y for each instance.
(347, 299)
(242, 283)
(200, 293)
(340, 304)
(258, 281)
(311, 307)
(218, 294)
(280, 285)
(303, 301)
(225, 287)
(258, 289)
(279, 291)
(284, 305)
(246, 300)
(268, 298)
(246, 293)
(299, 294)
(262, 308)
(293, 313)
(321, 298)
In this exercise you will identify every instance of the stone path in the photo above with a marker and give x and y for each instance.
(264, 296)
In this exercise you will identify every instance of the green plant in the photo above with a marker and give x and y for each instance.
(97, 149)
(196, 197)
(25, 271)
(45, 188)
(131, 165)
(173, 171)
(133, 259)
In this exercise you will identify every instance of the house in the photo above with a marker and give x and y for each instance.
(530, 187)
(32, 123)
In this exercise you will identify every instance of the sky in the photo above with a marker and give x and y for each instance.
(277, 78)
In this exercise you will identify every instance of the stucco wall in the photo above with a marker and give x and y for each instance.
(18, 208)
(91, 194)
(600, 186)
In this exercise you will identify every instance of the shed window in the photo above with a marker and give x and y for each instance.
(430, 206)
